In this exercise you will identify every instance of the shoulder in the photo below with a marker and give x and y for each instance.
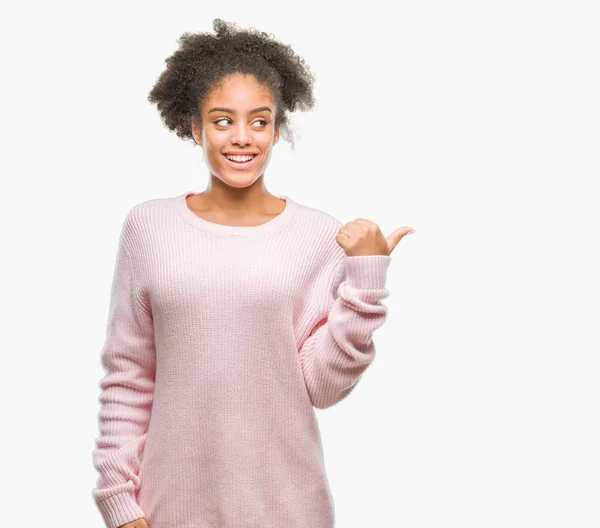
(143, 221)
(319, 220)
(148, 212)
(142, 211)
(320, 230)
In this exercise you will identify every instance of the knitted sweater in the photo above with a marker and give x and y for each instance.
(221, 341)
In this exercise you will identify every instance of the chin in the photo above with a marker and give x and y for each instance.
(241, 182)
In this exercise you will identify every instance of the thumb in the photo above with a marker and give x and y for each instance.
(396, 236)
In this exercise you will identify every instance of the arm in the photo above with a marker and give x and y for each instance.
(128, 357)
(340, 346)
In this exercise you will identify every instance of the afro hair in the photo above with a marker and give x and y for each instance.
(203, 61)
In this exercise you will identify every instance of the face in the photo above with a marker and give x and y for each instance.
(238, 117)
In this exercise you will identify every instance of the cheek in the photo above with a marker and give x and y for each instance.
(265, 143)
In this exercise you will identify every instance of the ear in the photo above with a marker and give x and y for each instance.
(276, 136)
(196, 132)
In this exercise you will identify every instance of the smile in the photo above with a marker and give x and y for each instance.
(240, 164)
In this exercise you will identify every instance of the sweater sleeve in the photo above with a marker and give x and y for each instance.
(340, 346)
(126, 397)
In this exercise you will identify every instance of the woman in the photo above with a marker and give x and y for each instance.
(233, 314)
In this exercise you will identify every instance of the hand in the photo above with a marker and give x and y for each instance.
(138, 523)
(363, 237)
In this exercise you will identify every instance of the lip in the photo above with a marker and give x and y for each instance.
(240, 166)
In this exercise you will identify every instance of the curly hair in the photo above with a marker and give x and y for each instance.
(203, 61)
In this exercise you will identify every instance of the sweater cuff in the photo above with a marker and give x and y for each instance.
(367, 272)
(120, 509)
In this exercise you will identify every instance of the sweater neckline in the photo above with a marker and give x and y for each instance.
(270, 226)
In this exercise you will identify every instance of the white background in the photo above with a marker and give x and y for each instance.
(476, 123)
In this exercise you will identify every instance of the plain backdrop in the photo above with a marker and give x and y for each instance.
(476, 123)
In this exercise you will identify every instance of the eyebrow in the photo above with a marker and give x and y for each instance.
(230, 111)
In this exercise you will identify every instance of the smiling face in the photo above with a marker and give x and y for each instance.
(238, 118)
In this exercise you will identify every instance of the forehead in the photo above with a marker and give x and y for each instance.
(240, 93)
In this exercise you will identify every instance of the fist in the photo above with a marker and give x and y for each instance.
(362, 237)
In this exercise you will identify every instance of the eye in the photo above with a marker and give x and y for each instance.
(226, 119)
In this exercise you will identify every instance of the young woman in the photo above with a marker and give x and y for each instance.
(233, 314)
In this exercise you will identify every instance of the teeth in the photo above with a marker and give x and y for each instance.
(240, 158)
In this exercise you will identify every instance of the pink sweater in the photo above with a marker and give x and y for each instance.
(221, 340)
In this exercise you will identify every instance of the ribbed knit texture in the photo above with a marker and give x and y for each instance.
(221, 341)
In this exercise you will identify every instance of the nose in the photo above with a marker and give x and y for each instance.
(241, 136)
